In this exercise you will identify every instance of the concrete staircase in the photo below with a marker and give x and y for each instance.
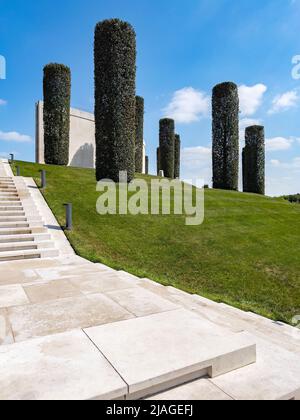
(22, 231)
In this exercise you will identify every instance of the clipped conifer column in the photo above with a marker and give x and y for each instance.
(147, 165)
(225, 109)
(158, 160)
(57, 98)
(254, 160)
(115, 101)
(177, 157)
(139, 133)
(167, 146)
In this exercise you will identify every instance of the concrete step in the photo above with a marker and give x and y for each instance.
(16, 218)
(155, 353)
(11, 213)
(30, 219)
(8, 186)
(6, 225)
(11, 206)
(21, 231)
(228, 317)
(8, 189)
(24, 246)
(28, 254)
(5, 239)
(8, 200)
(199, 390)
(5, 195)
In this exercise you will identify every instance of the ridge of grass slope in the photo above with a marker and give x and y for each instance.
(245, 254)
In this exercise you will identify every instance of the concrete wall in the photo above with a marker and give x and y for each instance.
(82, 138)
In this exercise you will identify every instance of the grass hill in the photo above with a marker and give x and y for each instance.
(245, 254)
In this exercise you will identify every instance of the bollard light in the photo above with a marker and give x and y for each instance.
(12, 157)
(69, 216)
(18, 171)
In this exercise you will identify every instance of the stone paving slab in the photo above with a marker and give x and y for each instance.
(200, 390)
(13, 276)
(59, 289)
(6, 336)
(61, 367)
(101, 282)
(63, 315)
(152, 353)
(55, 273)
(141, 302)
(12, 296)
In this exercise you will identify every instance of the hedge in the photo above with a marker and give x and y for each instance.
(139, 133)
(225, 110)
(57, 99)
(254, 160)
(167, 146)
(115, 74)
(177, 157)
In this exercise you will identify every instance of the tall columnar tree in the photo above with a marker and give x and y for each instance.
(254, 160)
(147, 165)
(139, 133)
(245, 186)
(115, 74)
(167, 146)
(225, 109)
(158, 160)
(177, 156)
(57, 98)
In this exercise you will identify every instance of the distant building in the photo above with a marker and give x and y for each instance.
(82, 138)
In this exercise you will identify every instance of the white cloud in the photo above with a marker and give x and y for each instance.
(275, 162)
(14, 136)
(188, 105)
(284, 102)
(2, 102)
(251, 98)
(196, 154)
(196, 163)
(279, 144)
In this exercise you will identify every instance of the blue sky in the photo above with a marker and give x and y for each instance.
(184, 49)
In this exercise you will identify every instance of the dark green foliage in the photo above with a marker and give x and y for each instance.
(115, 73)
(254, 160)
(167, 146)
(139, 134)
(158, 160)
(225, 109)
(295, 198)
(177, 157)
(57, 98)
(147, 165)
(245, 187)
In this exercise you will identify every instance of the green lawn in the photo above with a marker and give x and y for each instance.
(245, 254)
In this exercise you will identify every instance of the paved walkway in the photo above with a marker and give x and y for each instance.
(71, 329)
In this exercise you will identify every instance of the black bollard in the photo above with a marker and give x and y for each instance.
(18, 171)
(43, 178)
(69, 216)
